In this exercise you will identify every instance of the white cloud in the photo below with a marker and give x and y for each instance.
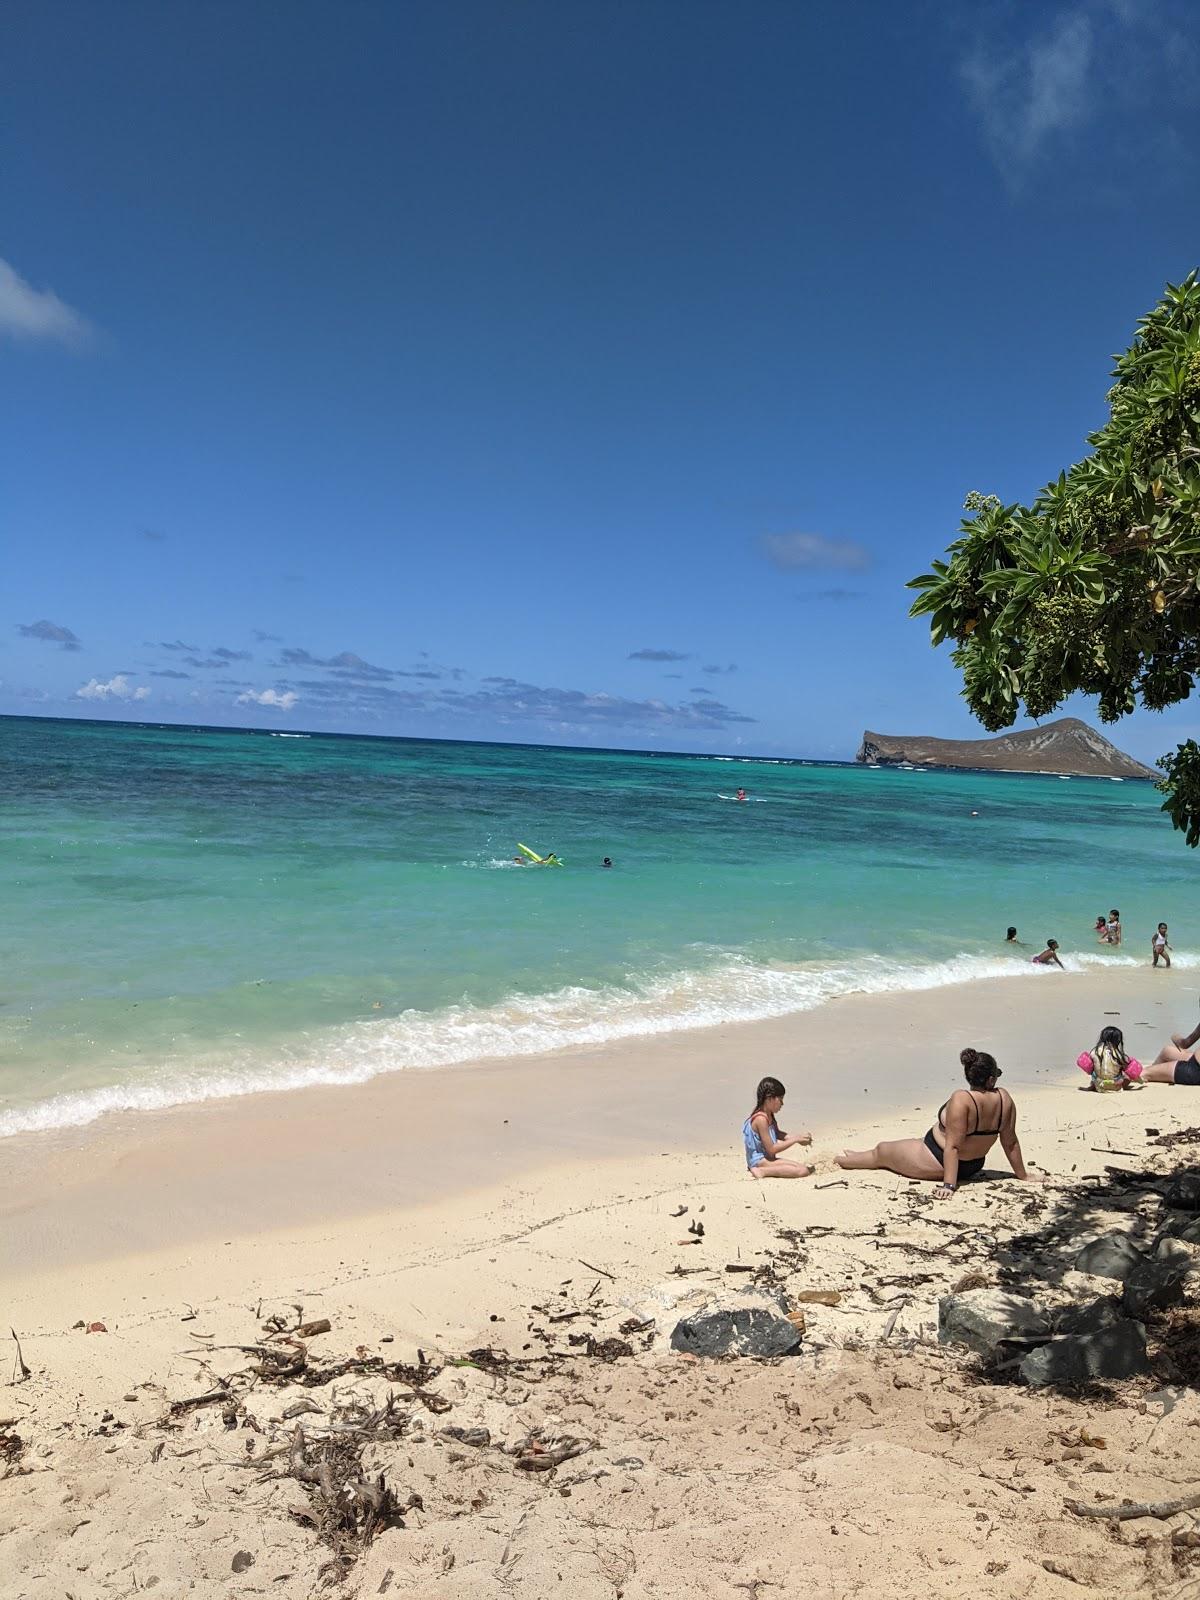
(29, 313)
(269, 697)
(1025, 97)
(117, 688)
(794, 552)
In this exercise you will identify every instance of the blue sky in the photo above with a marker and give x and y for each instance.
(574, 372)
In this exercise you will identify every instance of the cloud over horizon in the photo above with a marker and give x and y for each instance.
(814, 552)
(51, 632)
(278, 700)
(29, 313)
(657, 655)
(118, 687)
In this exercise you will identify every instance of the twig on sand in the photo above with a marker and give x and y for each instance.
(600, 1270)
(1139, 1508)
(20, 1370)
(893, 1319)
(1111, 1150)
(834, 1183)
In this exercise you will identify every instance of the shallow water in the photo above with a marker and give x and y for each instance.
(193, 912)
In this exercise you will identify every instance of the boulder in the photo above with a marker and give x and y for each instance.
(1158, 1279)
(1185, 1228)
(984, 1319)
(750, 1324)
(1118, 1351)
(1089, 1316)
(1183, 1192)
(1112, 1255)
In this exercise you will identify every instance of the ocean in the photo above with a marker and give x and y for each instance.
(195, 912)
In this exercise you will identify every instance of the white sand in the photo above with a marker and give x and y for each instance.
(434, 1210)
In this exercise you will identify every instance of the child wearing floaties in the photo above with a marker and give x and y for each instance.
(1107, 1064)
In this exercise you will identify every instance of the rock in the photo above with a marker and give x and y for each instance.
(1115, 1352)
(750, 1324)
(1183, 1192)
(1158, 1279)
(1089, 1316)
(1112, 1255)
(241, 1561)
(1185, 1228)
(984, 1319)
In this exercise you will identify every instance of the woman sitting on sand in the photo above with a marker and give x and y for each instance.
(1175, 1063)
(968, 1125)
(764, 1141)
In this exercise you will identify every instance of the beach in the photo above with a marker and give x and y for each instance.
(430, 1215)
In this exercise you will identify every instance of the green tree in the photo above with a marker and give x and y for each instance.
(1095, 587)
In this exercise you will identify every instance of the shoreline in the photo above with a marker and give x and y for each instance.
(411, 1139)
(530, 1246)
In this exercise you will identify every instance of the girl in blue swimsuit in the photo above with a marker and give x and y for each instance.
(763, 1139)
(956, 1147)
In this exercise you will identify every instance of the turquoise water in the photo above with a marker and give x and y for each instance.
(192, 912)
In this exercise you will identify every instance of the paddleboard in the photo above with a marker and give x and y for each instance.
(538, 861)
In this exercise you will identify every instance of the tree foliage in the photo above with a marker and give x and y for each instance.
(1095, 587)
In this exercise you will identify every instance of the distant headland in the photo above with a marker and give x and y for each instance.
(1066, 746)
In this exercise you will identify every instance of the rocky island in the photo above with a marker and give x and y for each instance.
(1066, 746)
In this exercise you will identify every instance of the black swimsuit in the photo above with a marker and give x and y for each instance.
(967, 1167)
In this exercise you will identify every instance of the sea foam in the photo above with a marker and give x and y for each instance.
(735, 989)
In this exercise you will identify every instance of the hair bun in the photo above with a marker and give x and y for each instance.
(969, 1057)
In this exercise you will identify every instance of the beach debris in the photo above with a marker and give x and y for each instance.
(739, 1266)
(241, 1561)
(817, 1297)
(20, 1370)
(697, 1228)
(1112, 1255)
(1183, 1192)
(986, 1319)
(681, 1211)
(600, 1270)
(310, 1330)
(92, 1327)
(1126, 1510)
(1115, 1352)
(834, 1183)
(747, 1323)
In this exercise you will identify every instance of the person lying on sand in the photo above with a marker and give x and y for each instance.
(1175, 1063)
(764, 1140)
(968, 1125)
(1108, 1064)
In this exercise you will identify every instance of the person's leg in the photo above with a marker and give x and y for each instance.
(781, 1169)
(1158, 1072)
(909, 1158)
(1170, 1053)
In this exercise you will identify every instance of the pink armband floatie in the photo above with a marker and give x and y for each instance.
(1133, 1069)
(1084, 1062)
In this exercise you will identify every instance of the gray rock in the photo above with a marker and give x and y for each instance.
(1183, 1192)
(1115, 1352)
(734, 1328)
(984, 1319)
(1089, 1316)
(1158, 1279)
(1112, 1255)
(1185, 1228)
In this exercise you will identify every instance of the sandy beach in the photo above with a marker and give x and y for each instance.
(529, 1210)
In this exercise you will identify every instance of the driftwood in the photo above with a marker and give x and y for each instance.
(1130, 1509)
(20, 1370)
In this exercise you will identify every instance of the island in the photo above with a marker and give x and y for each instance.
(1067, 747)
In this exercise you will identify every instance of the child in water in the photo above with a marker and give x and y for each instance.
(1159, 948)
(1108, 1065)
(764, 1140)
(1049, 956)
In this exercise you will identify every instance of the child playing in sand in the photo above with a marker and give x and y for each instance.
(1108, 1065)
(764, 1140)
(1159, 948)
(1049, 956)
